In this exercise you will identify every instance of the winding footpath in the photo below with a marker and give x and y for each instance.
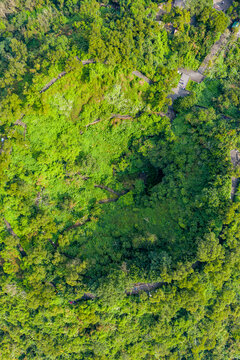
(48, 85)
(177, 92)
(235, 160)
(215, 50)
(143, 77)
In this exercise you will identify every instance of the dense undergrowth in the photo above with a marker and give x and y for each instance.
(100, 191)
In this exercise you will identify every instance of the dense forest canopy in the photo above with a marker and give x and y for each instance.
(120, 209)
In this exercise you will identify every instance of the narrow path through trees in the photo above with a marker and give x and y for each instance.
(10, 230)
(48, 85)
(143, 77)
(216, 48)
(235, 161)
(21, 123)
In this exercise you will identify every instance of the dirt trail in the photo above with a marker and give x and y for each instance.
(10, 230)
(178, 92)
(86, 62)
(113, 116)
(139, 287)
(8, 226)
(21, 123)
(216, 48)
(119, 116)
(143, 77)
(198, 76)
(109, 200)
(46, 87)
(235, 159)
(235, 182)
(147, 287)
(103, 187)
(93, 123)
(222, 5)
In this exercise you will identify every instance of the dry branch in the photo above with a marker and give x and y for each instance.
(160, 114)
